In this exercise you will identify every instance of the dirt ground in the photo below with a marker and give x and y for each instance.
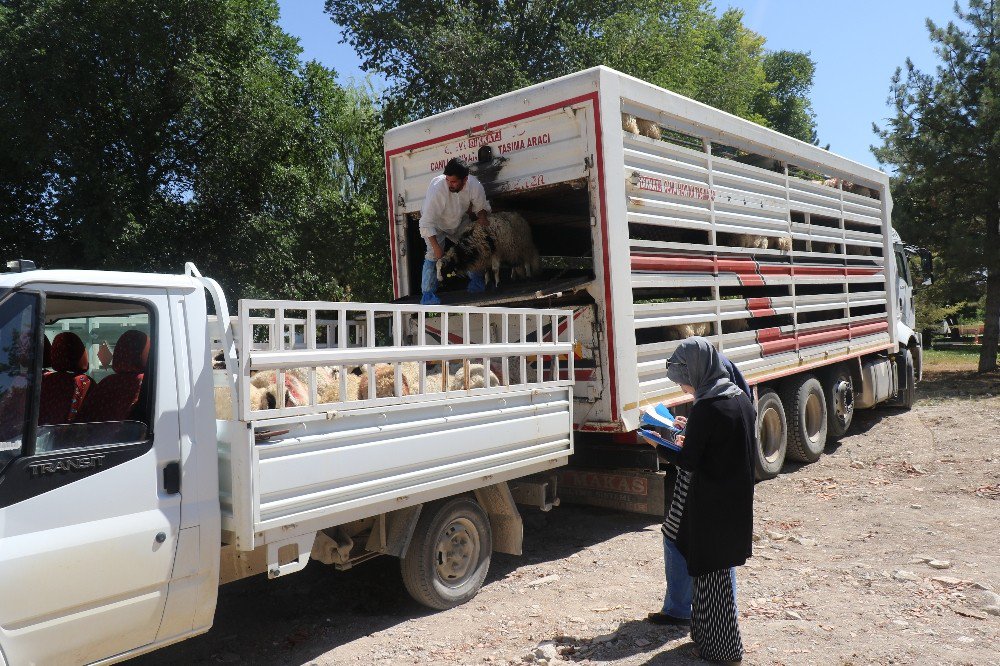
(883, 552)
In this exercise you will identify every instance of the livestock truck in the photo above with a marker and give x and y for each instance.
(143, 464)
(658, 216)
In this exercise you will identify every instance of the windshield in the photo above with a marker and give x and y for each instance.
(18, 316)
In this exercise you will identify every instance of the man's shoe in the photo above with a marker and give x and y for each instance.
(430, 298)
(663, 618)
(477, 283)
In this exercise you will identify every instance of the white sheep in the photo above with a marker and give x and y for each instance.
(638, 126)
(630, 124)
(471, 376)
(684, 331)
(506, 240)
(783, 243)
(750, 240)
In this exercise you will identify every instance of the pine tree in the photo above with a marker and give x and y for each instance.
(945, 144)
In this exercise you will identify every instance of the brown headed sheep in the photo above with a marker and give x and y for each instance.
(506, 240)
(783, 243)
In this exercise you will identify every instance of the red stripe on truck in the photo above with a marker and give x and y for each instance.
(760, 307)
(772, 341)
(748, 270)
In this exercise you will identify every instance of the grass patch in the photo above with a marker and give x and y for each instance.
(942, 359)
(952, 374)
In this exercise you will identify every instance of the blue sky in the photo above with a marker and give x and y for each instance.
(856, 44)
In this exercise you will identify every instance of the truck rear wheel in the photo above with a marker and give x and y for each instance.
(839, 402)
(449, 555)
(807, 423)
(772, 436)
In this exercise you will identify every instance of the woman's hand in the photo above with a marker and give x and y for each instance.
(680, 422)
(679, 440)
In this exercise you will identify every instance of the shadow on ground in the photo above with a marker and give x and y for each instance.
(302, 616)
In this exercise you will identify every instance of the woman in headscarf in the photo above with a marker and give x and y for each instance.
(711, 514)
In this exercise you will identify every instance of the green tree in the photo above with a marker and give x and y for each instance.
(440, 56)
(944, 141)
(190, 131)
(785, 106)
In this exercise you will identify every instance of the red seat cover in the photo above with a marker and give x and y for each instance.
(65, 388)
(116, 396)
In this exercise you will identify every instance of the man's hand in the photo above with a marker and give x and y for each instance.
(680, 422)
(482, 219)
(435, 248)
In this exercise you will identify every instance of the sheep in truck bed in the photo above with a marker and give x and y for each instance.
(506, 240)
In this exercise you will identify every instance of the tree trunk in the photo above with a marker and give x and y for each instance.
(991, 330)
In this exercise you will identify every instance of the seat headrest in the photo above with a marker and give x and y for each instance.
(131, 352)
(46, 352)
(69, 354)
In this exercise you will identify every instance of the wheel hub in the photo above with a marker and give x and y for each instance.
(814, 416)
(770, 435)
(457, 552)
(843, 401)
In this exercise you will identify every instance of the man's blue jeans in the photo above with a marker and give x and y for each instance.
(429, 283)
(677, 602)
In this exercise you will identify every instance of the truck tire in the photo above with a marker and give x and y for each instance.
(449, 555)
(839, 402)
(907, 380)
(805, 406)
(772, 436)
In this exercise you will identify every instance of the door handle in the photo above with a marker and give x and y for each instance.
(172, 478)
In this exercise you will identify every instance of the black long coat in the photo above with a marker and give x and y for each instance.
(716, 528)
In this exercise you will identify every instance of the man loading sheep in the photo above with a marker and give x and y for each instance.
(449, 197)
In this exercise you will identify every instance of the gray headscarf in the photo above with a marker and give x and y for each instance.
(696, 363)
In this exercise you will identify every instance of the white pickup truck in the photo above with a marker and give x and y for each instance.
(125, 501)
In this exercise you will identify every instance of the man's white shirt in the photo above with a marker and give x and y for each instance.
(444, 210)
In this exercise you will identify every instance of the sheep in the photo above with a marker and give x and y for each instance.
(224, 401)
(829, 248)
(630, 124)
(507, 239)
(853, 188)
(759, 242)
(471, 376)
(684, 331)
(649, 128)
(735, 326)
(385, 382)
(638, 126)
(783, 243)
(750, 240)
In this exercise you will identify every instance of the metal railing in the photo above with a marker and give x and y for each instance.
(392, 354)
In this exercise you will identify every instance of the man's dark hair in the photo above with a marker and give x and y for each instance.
(456, 167)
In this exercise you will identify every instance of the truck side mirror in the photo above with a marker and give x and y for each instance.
(926, 266)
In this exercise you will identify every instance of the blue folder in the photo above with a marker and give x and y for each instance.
(660, 428)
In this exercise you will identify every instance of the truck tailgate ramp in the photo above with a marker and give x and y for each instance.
(358, 409)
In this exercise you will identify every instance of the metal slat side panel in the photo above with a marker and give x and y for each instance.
(696, 218)
(331, 469)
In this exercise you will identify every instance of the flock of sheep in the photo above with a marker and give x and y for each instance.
(264, 393)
